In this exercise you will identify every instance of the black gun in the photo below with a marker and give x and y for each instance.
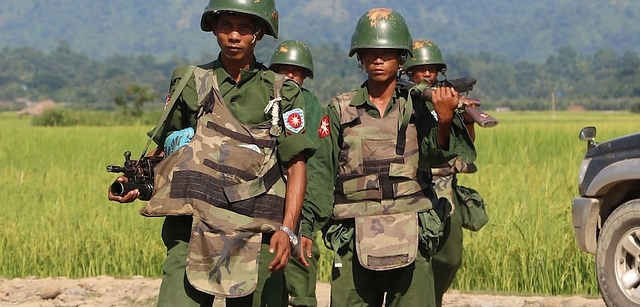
(461, 85)
(140, 175)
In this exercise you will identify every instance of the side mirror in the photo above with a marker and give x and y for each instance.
(588, 134)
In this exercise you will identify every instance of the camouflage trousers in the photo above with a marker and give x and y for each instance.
(447, 260)
(354, 286)
(301, 281)
(176, 290)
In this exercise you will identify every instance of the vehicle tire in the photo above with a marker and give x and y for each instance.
(618, 256)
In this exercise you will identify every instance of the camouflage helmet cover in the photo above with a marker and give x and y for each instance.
(264, 10)
(425, 52)
(381, 28)
(293, 52)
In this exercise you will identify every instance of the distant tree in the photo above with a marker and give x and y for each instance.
(131, 100)
(48, 82)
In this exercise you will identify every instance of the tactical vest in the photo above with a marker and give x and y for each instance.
(379, 184)
(228, 178)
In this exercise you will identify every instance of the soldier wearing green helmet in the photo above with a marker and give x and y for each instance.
(293, 59)
(229, 212)
(293, 53)
(368, 191)
(264, 11)
(425, 52)
(425, 65)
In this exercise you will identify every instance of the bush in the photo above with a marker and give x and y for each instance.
(60, 116)
(57, 116)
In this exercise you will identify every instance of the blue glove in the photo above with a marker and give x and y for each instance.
(177, 139)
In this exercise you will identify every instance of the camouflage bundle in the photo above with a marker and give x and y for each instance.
(228, 178)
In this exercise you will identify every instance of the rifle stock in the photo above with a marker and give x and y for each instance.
(483, 119)
(471, 106)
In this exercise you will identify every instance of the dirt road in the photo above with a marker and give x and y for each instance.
(104, 291)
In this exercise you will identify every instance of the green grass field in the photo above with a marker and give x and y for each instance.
(55, 219)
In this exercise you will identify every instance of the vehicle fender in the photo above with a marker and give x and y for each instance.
(612, 174)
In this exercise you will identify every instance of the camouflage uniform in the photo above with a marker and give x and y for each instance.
(352, 277)
(385, 220)
(300, 281)
(240, 100)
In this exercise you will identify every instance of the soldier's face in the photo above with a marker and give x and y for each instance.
(296, 73)
(380, 64)
(236, 35)
(428, 72)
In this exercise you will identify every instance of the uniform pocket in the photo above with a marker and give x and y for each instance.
(472, 208)
(386, 242)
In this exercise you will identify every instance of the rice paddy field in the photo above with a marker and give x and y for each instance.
(55, 219)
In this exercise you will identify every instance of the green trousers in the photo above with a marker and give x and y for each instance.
(300, 281)
(447, 260)
(176, 291)
(355, 286)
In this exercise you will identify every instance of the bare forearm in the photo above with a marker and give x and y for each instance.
(296, 186)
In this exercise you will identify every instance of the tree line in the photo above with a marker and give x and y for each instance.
(604, 80)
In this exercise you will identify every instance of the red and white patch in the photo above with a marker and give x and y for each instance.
(294, 120)
(324, 129)
(166, 103)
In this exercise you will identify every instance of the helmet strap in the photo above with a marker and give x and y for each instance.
(360, 65)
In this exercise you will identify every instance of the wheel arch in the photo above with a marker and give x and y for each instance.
(615, 184)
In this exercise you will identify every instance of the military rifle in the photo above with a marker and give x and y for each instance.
(461, 85)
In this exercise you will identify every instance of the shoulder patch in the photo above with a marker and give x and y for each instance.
(294, 120)
(324, 130)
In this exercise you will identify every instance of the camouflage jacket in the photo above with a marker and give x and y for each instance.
(228, 178)
(324, 165)
(240, 98)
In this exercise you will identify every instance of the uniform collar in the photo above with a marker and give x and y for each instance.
(245, 75)
(362, 96)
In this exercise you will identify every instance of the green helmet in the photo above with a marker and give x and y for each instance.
(381, 28)
(264, 10)
(293, 52)
(425, 52)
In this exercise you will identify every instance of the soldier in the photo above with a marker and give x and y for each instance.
(385, 221)
(228, 211)
(293, 59)
(425, 65)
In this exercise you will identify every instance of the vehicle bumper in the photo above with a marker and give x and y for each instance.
(585, 212)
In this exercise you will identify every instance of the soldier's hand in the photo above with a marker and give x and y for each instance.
(127, 198)
(306, 250)
(469, 103)
(282, 247)
(445, 101)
